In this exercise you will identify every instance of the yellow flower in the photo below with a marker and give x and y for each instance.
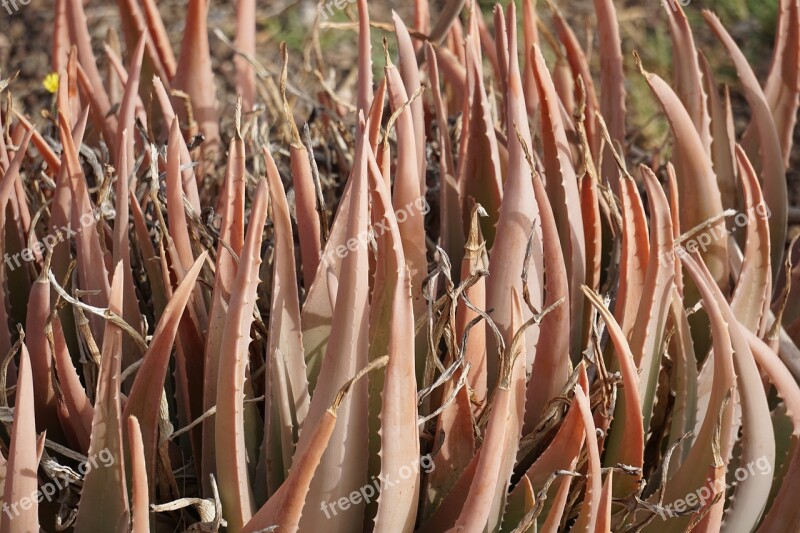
(50, 82)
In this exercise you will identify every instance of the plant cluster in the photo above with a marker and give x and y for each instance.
(511, 321)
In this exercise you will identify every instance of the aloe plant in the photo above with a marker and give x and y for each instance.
(452, 303)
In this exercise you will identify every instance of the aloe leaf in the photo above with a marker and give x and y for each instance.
(343, 469)
(285, 507)
(77, 418)
(68, 99)
(781, 514)
(178, 227)
(140, 509)
(234, 483)
(60, 36)
(603, 524)
(41, 358)
(648, 333)
(37, 313)
(286, 364)
(634, 256)
(408, 197)
(451, 230)
(189, 364)
(391, 301)
(375, 117)
(476, 509)
(188, 177)
(562, 190)
(516, 221)
(454, 74)
(486, 500)
(246, 43)
(707, 459)
(365, 96)
(20, 471)
(520, 503)
(194, 76)
(626, 441)
(723, 138)
(126, 161)
(79, 36)
(612, 82)
(122, 76)
(487, 45)
(501, 45)
(688, 77)
(409, 72)
(144, 400)
(479, 172)
(125, 146)
(136, 24)
(3, 472)
(422, 17)
(455, 424)
(158, 34)
(408, 192)
(773, 172)
(551, 366)
(782, 88)
(7, 184)
(561, 454)
(530, 34)
(675, 212)
(587, 518)
(44, 149)
(104, 497)
(92, 274)
(682, 352)
(758, 441)
(579, 67)
(750, 301)
(317, 312)
(231, 241)
(701, 203)
(308, 221)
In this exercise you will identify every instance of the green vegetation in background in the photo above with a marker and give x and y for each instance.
(291, 28)
(751, 22)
